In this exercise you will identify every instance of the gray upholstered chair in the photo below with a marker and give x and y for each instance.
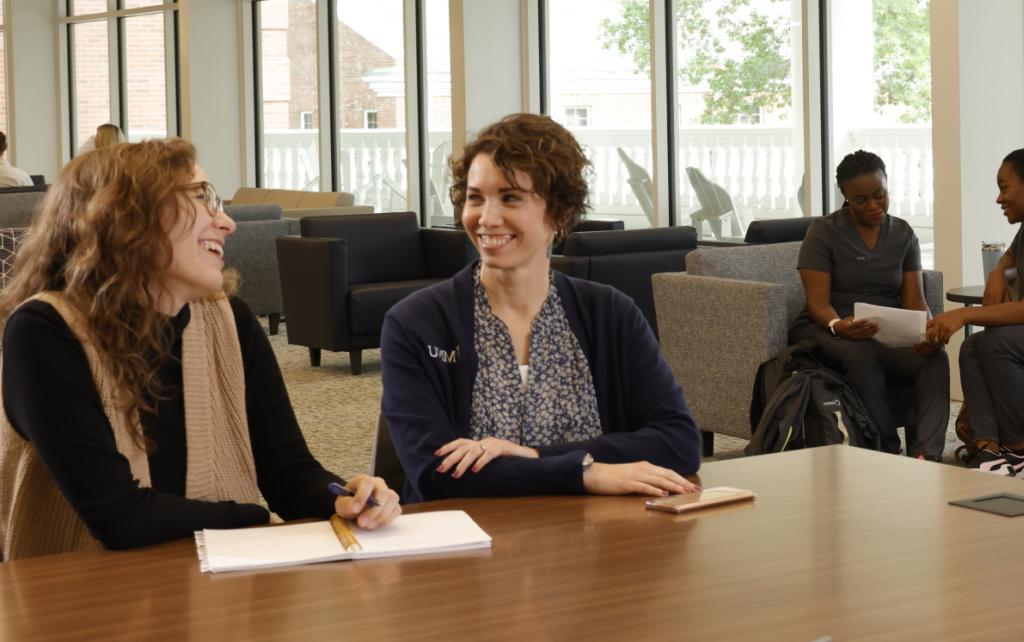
(729, 312)
(251, 251)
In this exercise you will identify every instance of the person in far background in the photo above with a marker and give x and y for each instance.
(992, 362)
(11, 176)
(106, 134)
(861, 253)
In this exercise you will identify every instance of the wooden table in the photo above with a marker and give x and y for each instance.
(841, 542)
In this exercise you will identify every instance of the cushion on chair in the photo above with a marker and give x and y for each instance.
(381, 247)
(774, 263)
(254, 212)
(587, 225)
(782, 230)
(631, 273)
(249, 196)
(627, 241)
(286, 198)
(369, 302)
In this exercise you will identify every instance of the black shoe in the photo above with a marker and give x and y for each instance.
(980, 456)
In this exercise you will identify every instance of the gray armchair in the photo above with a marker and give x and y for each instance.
(731, 311)
(252, 253)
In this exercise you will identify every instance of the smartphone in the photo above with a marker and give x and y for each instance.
(703, 499)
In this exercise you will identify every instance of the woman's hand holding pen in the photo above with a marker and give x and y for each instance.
(372, 504)
(460, 454)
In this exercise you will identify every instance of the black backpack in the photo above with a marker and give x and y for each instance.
(799, 403)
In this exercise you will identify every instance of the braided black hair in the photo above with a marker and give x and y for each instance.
(857, 164)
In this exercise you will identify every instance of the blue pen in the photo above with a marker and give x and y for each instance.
(338, 489)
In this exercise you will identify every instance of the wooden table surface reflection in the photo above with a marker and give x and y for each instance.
(841, 542)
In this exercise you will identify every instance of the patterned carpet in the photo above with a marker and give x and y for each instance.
(338, 412)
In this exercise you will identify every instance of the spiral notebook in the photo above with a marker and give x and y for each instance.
(243, 549)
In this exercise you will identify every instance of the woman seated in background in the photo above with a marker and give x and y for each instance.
(106, 134)
(513, 379)
(140, 403)
(992, 362)
(862, 254)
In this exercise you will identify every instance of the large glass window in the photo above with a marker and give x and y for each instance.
(739, 124)
(881, 101)
(370, 83)
(145, 77)
(290, 99)
(119, 64)
(439, 111)
(91, 72)
(599, 87)
(3, 69)
(86, 7)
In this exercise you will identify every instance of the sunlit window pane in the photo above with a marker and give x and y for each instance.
(84, 7)
(371, 102)
(883, 102)
(3, 82)
(91, 79)
(439, 111)
(739, 122)
(146, 77)
(135, 4)
(602, 93)
(290, 108)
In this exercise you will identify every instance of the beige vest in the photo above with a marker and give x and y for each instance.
(36, 519)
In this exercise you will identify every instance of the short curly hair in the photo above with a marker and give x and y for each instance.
(543, 150)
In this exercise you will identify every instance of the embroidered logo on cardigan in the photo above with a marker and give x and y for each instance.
(447, 356)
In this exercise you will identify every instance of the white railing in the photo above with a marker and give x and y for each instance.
(754, 164)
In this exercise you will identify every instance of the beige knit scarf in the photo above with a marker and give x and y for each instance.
(36, 519)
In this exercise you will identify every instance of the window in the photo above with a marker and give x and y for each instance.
(739, 127)
(577, 116)
(370, 119)
(369, 59)
(91, 72)
(145, 65)
(439, 111)
(122, 68)
(3, 69)
(882, 102)
(290, 94)
(587, 67)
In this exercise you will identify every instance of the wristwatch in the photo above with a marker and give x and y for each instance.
(832, 326)
(588, 461)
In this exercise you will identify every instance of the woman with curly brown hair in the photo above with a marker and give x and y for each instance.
(140, 402)
(512, 379)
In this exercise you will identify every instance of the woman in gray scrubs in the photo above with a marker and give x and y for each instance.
(861, 253)
(992, 362)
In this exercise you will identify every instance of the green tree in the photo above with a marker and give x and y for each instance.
(903, 75)
(743, 61)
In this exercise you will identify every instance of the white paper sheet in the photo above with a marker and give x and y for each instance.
(898, 328)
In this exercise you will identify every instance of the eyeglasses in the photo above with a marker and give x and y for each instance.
(211, 199)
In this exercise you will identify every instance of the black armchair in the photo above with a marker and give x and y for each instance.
(626, 259)
(345, 272)
(782, 230)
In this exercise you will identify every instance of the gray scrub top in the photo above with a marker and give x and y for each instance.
(858, 274)
(1016, 251)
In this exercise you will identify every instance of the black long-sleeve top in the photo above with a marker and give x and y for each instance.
(51, 400)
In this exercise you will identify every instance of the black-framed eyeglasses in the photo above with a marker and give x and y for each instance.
(211, 199)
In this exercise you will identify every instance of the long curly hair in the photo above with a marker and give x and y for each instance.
(543, 150)
(100, 238)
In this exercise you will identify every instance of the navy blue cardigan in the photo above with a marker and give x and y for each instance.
(429, 365)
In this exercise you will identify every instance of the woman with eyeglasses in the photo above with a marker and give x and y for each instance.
(140, 402)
